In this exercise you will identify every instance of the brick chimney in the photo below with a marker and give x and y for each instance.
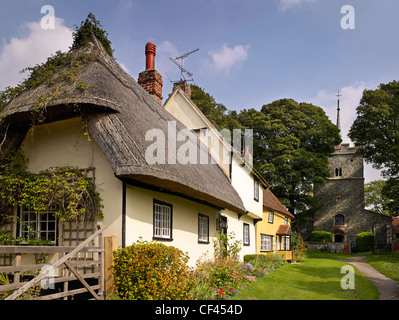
(184, 86)
(151, 79)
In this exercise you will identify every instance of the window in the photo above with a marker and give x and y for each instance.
(271, 217)
(246, 234)
(285, 220)
(32, 225)
(287, 243)
(256, 189)
(338, 172)
(203, 228)
(266, 242)
(278, 241)
(339, 220)
(162, 220)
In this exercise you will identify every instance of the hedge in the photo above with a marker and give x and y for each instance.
(321, 236)
(366, 241)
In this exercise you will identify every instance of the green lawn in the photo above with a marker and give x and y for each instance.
(387, 264)
(314, 279)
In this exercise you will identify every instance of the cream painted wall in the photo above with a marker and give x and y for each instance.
(237, 226)
(241, 179)
(139, 221)
(243, 182)
(63, 143)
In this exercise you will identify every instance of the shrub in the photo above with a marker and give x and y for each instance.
(321, 236)
(269, 261)
(217, 278)
(298, 246)
(150, 270)
(366, 241)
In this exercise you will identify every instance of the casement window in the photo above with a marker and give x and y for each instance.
(266, 242)
(246, 235)
(286, 243)
(163, 213)
(271, 217)
(203, 228)
(33, 225)
(256, 189)
(278, 241)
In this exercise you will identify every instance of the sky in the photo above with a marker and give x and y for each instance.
(250, 52)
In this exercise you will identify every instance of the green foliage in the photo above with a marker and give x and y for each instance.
(217, 278)
(376, 127)
(64, 188)
(321, 236)
(82, 34)
(150, 270)
(265, 261)
(366, 241)
(298, 246)
(291, 140)
(376, 199)
(225, 245)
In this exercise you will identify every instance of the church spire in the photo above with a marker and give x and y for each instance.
(338, 109)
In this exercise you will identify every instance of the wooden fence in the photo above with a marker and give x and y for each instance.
(61, 272)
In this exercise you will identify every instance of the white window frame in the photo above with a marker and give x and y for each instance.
(266, 243)
(256, 189)
(246, 238)
(43, 225)
(162, 220)
(203, 228)
(271, 217)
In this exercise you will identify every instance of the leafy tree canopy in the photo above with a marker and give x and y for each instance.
(375, 199)
(292, 142)
(376, 129)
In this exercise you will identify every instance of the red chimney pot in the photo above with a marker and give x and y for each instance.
(150, 51)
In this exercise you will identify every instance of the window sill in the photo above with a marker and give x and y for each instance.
(162, 239)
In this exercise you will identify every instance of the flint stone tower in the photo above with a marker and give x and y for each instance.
(343, 213)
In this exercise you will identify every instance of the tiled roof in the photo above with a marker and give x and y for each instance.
(283, 229)
(271, 201)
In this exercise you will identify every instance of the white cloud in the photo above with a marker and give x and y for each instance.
(224, 58)
(349, 101)
(32, 49)
(288, 4)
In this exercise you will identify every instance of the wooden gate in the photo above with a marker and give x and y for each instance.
(64, 270)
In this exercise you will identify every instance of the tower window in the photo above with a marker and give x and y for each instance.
(339, 220)
(338, 172)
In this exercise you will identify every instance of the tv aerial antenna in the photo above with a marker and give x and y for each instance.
(183, 71)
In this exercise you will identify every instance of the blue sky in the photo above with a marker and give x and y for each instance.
(251, 52)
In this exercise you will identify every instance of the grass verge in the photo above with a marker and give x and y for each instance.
(387, 264)
(314, 279)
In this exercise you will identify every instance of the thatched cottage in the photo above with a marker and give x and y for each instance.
(106, 125)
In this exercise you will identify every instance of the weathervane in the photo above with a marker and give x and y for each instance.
(338, 109)
(181, 66)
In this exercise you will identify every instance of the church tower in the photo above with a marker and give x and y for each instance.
(343, 212)
(342, 195)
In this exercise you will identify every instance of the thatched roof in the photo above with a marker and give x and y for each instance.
(119, 113)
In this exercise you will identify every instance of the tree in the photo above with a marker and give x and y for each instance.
(375, 199)
(376, 129)
(292, 143)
